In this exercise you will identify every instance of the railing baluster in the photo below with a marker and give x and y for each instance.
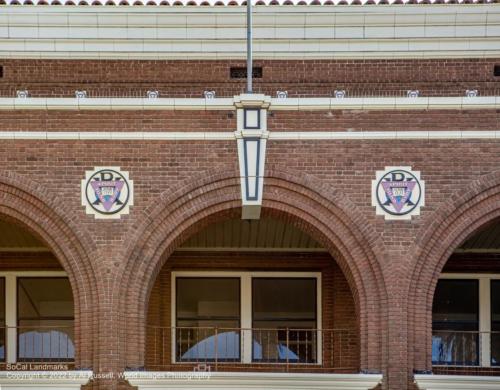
(307, 347)
(216, 347)
(287, 347)
(332, 362)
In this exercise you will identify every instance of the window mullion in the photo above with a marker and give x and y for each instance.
(485, 322)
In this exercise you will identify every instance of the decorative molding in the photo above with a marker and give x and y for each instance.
(252, 380)
(262, 101)
(29, 380)
(386, 103)
(142, 103)
(273, 136)
(298, 32)
(228, 3)
(470, 93)
(251, 136)
(107, 192)
(81, 94)
(339, 94)
(413, 93)
(456, 382)
(153, 94)
(209, 94)
(24, 94)
(398, 193)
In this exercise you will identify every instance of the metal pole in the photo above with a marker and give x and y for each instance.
(249, 47)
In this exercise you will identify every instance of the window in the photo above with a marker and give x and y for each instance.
(466, 320)
(495, 322)
(246, 317)
(455, 323)
(45, 319)
(208, 319)
(284, 319)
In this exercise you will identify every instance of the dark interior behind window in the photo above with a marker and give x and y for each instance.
(207, 319)
(45, 319)
(284, 319)
(455, 322)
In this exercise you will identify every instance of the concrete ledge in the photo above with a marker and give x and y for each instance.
(230, 103)
(30, 380)
(457, 382)
(273, 136)
(252, 380)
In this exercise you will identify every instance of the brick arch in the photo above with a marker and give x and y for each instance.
(31, 206)
(457, 218)
(313, 206)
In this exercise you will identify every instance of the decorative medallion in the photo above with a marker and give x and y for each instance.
(339, 94)
(413, 93)
(107, 193)
(398, 193)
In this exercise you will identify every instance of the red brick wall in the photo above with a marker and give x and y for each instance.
(322, 186)
(338, 306)
(335, 120)
(299, 78)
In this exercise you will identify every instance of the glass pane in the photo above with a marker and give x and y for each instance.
(284, 319)
(49, 341)
(200, 341)
(495, 322)
(208, 319)
(283, 299)
(209, 298)
(45, 319)
(455, 323)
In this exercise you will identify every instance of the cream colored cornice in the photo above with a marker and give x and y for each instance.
(289, 104)
(281, 32)
(251, 380)
(403, 135)
(457, 382)
(64, 380)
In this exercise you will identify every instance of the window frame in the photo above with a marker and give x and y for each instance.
(246, 304)
(484, 280)
(11, 301)
(19, 319)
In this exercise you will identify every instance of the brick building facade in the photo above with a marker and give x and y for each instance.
(367, 88)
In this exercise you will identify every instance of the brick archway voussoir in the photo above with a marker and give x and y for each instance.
(469, 210)
(213, 197)
(29, 204)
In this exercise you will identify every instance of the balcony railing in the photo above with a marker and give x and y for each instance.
(284, 349)
(37, 344)
(465, 348)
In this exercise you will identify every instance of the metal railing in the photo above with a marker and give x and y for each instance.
(283, 349)
(37, 344)
(465, 348)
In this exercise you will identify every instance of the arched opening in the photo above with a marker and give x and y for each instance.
(37, 309)
(252, 295)
(466, 307)
(302, 201)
